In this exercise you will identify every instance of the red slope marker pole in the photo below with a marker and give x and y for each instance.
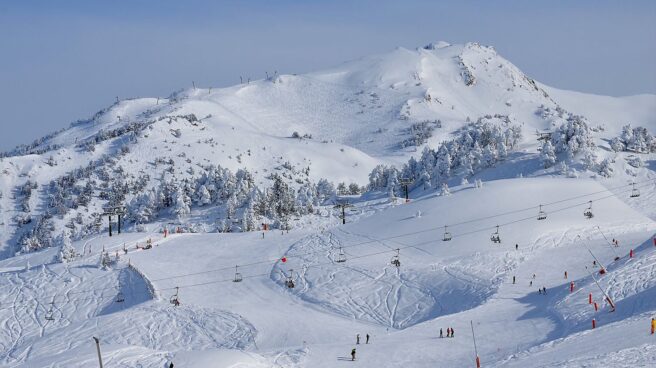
(478, 360)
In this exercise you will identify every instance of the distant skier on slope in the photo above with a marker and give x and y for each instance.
(357, 339)
(441, 333)
(353, 354)
(367, 339)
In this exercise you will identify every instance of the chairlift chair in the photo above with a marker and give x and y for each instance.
(635, 192)
(495, 237)
(238, 277)
(541, 214)
(447, 235)
(395, 260)
(341, 257)
(289, 281)
(588, 211)
(174, 298)
(50, 314)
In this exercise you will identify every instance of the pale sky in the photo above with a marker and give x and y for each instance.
(63, 61)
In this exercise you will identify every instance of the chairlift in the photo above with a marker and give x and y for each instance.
(238, 277)
(120, 298)
(541, 214)
(588, 211)
(50, 314)
(289, 281)
(341, 257)
(447, 235)
(495, 237)
(395, 260)
(174, 298)
(635, 192)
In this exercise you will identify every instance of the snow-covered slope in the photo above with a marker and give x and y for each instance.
(215, 164)
(258, 322)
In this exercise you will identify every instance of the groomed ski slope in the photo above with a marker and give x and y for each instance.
(260, 323)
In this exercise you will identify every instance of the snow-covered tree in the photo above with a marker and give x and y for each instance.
(325, 191)
(204, 197)
(605, 168)
(67, 253)
(548, 155)
(573, 136)
(182, 203)
(104, 262)
(445, 190)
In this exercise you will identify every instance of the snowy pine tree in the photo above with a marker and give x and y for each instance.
(67, 253)
(548, 155)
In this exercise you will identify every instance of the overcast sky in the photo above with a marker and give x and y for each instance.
(61, 62)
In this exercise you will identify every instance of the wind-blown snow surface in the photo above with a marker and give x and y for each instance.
(260, 323)
(358, 115)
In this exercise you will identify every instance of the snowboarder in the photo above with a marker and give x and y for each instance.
(653, 325)
(357, 339)
(443, 336)
(513, 280)
(367, 339)
(353, 354)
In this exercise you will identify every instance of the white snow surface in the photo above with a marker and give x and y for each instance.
(258, 322)
(357, 114)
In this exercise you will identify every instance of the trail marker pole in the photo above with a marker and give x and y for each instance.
(98, 349)
(478, 360)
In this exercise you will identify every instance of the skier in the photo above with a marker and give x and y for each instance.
(451, 331)
(653, 325)
(357, 339)
(540, 291)
(353, 354)
(516, 246)
(442, 335)
(530, 283)
(565, 274)
(171, 365)
(513, 280)
(367, 338)
(544, 290)
(533, 276)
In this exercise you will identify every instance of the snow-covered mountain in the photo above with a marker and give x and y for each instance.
(283, 151)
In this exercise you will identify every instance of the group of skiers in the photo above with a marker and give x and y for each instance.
(357, 342)
(357, 339)
(449, 332)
